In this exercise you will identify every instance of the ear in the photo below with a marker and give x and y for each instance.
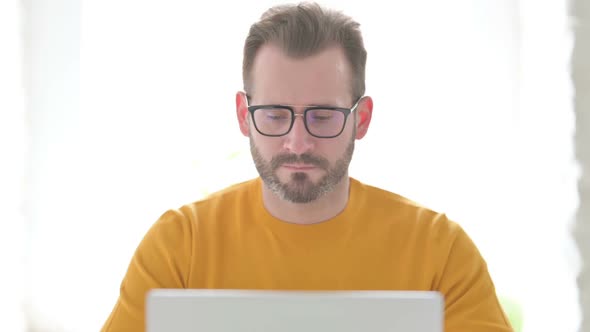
(242, 113)
(364, 113)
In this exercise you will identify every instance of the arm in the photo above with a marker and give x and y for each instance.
(161, 260)
(471, 303)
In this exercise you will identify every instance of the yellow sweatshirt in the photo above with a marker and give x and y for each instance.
(381, 241)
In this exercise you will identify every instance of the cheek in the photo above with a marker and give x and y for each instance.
(332, 149)
(347, 134)
(266, 147)
(343, 143)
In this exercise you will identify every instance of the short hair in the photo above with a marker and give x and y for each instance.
(306, 29)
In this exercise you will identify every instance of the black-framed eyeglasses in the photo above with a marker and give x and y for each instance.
(320, 121)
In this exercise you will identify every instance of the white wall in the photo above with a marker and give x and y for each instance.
(57, 228)
(12, 169)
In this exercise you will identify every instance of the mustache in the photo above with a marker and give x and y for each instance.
(305, 158)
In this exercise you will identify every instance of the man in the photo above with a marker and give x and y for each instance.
(305, 224)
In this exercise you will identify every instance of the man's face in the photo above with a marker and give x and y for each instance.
(299, 167)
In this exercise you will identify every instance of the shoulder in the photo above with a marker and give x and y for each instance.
(427, 229)
(221, 198)
(175, 217)
(211, 207)
(404, 211)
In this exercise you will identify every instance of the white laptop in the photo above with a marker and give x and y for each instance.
(184, 310)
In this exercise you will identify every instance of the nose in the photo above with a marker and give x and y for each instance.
(298, 140)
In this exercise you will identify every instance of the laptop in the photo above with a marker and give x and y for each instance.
(184, 310)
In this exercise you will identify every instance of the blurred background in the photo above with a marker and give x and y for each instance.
(112, 112)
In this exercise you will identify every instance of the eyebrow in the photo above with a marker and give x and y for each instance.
(306, 106)
(249, 99)
(330, 105)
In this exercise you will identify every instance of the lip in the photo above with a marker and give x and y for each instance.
(299, 167)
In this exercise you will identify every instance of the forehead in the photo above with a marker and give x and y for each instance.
(322, 78)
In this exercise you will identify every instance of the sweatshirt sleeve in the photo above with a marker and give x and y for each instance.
(162, 260)
(471, 303)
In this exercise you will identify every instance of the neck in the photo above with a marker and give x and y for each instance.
(322, 209)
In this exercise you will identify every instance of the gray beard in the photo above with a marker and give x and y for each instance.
(300, 188)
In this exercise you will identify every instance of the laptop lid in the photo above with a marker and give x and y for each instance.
(184, 310)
